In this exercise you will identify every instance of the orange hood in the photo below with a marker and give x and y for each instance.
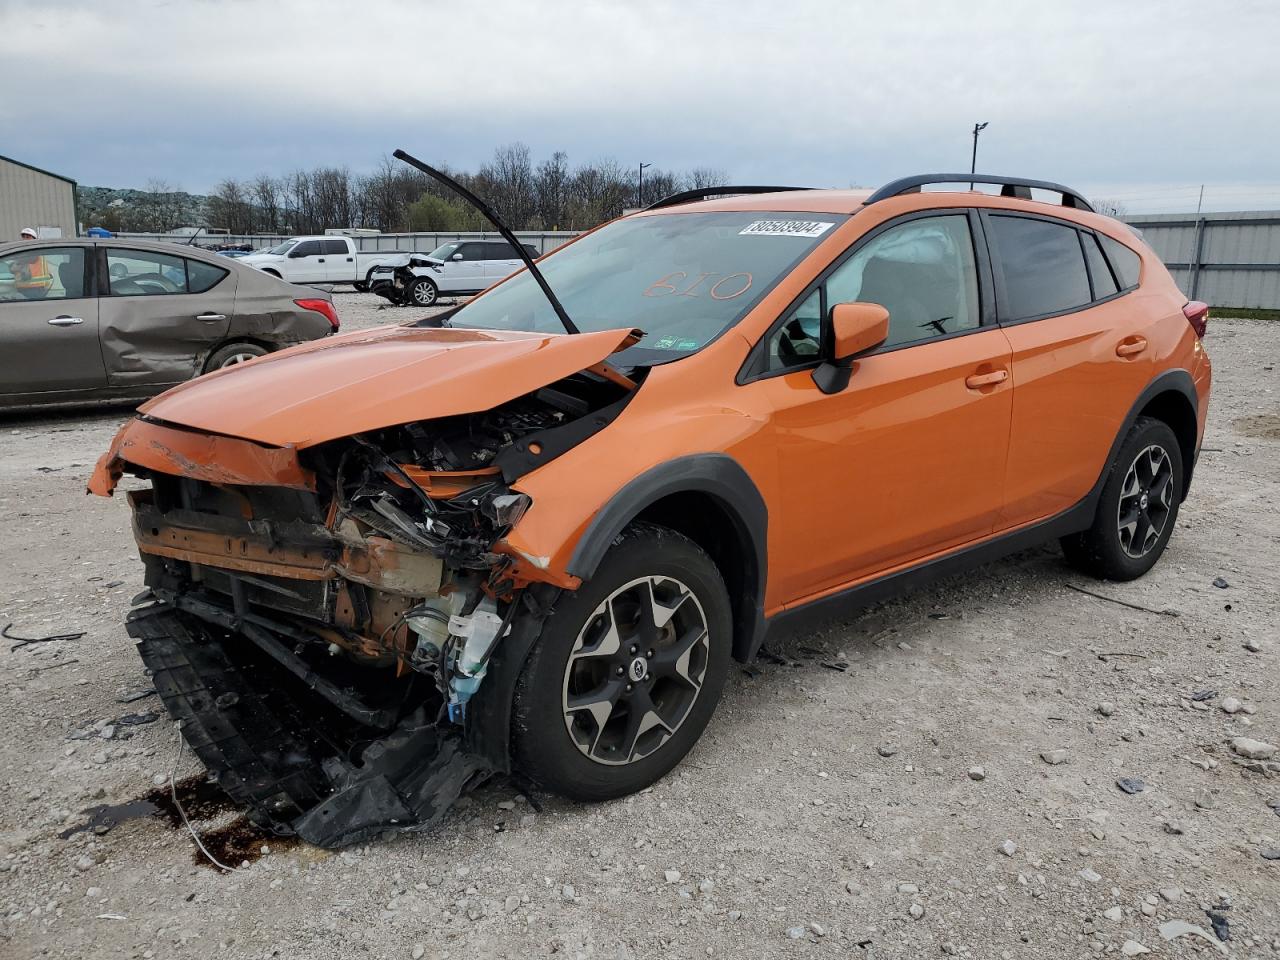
(369, 379)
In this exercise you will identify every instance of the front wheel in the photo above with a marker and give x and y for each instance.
(422, 292)
(627, 671)
(1137, 509)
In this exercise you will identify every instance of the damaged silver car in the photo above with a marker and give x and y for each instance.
(85, 319)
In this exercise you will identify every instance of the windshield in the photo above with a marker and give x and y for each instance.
(445, 250)
(281, 250)
(682, 278)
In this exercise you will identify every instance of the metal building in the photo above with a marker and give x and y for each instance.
(31, 197)
(1224, 259)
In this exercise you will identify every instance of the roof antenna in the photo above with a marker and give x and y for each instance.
(507, 235)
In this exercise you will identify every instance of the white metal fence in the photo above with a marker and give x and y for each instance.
(543, 241)
(1224, 259)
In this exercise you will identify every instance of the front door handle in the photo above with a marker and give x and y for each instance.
(211, 317)
(65, 321)
(1131, 346)
(322, 259)
(977, 380)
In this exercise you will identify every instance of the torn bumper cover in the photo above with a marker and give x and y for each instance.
(294, 779)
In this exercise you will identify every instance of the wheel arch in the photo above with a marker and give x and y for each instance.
(714, 502)
(1175, 408)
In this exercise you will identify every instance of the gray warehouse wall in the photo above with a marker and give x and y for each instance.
(1224, 259)
(33, 198)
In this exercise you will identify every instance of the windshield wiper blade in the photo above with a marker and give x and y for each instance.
(507, 235)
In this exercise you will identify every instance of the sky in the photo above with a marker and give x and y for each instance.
(1132, 101)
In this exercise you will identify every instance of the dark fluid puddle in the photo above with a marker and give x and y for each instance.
(231, 843)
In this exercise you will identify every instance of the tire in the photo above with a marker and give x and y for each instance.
(1137, 509)
(233, 353)
(578, 751)
(422, 292)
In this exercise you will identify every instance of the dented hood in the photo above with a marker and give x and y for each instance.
(369, 379)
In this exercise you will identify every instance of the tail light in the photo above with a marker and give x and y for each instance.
(324, 307)
(1197, 315)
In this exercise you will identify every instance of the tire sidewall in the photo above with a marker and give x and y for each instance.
(543, 748)
(219, 357)
(1118, 565)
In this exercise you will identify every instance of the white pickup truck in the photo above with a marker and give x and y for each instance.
(320, 260)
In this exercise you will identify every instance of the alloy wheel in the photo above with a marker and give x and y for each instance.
(636, 669)
(424, 294)
(1146, 500)
(238, 358)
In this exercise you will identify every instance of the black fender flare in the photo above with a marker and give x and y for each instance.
(1175, 381)
(720, 477)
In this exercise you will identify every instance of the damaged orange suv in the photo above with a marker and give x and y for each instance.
(529, 535)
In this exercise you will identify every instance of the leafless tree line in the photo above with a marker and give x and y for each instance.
(395, 197)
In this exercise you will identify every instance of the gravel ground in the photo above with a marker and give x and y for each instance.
(953, 791)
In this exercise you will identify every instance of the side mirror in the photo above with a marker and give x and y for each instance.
(456, 256)
(855, 329)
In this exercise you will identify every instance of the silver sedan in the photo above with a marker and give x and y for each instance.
(84, 319)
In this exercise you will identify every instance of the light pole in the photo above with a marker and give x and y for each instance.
(640, 190)
(977, 129)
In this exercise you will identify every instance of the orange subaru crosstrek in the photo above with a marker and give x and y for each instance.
(528, 536)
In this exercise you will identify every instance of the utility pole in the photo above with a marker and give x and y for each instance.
(973, 163)
(640, 191)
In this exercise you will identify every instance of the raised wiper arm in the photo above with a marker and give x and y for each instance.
(507, 235)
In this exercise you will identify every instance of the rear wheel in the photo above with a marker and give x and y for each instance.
(627, 671)
(232, 354)
(1137, 509)
(422, 292)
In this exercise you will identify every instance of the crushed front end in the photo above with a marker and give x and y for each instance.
(322, 621)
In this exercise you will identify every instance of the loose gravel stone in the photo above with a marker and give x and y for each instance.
(1053, 757)
(1230, 705)
(1106, 708)
(977, 773)
(1253, 749)
(1008, 848)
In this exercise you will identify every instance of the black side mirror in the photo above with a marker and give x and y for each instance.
(855, 329)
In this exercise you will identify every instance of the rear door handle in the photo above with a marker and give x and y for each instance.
(209, 317)
(1130, 346)
(976, 380)
(65, 321)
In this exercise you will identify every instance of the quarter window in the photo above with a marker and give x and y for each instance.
(1043, 264)
(203, 276)
(49, 273)
(1104, 284)
(1127, 264)
(143, 273)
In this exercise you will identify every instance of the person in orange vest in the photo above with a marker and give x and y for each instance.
(31, 274)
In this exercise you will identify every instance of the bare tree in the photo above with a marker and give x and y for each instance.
(1110, 208)
(267, 196)
(551, 188)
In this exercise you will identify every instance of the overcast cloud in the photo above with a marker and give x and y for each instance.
(1136, 101)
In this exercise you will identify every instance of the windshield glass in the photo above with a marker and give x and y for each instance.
(281, 250)
(445, 250)
(682, 278)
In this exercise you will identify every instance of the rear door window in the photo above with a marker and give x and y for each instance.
(501, 251)
(144, 273)
(335, 246)
(1127, 264)
(1043, 265)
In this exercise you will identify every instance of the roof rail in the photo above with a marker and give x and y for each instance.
(1009, 187)
(688, 196)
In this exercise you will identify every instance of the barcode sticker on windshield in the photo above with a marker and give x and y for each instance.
(786, 228)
